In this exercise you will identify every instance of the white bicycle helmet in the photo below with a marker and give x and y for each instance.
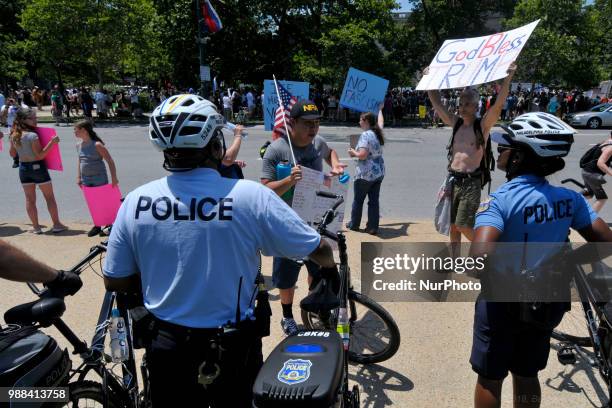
(185, 122)
(543, 133)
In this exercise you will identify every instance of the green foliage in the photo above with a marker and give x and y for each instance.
(564, 47)
(98, 41)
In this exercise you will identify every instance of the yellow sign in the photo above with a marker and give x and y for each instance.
(422, 111)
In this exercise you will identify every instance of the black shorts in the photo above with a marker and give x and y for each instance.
(594, 183)
(33, 173)
(502, 344)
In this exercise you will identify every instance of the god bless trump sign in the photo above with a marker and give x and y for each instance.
(472, 61)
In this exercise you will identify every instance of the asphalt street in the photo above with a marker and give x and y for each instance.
(415, 160)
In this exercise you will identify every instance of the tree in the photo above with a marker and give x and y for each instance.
(12, 65)
(55, 33)
(564, 46)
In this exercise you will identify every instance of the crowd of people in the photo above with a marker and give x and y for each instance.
(239, 104)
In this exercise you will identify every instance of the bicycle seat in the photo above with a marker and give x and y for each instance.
(41, 311)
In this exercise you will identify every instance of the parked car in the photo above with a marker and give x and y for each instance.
(594, 118)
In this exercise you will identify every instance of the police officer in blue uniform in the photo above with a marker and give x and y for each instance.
(526, 209)
(191, 241)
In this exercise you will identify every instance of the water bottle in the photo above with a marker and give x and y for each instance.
(344, 178)
(231, 126)
(283, 170)
(343, 327)
(118, 336)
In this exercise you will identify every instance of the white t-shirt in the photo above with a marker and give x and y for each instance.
(10, 115)
(250, 99)
(192, 235)
(227, 102)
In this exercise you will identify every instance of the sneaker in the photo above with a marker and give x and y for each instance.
(94, 231)
(105, 232)
(59, 228)
(36, 231)
(349, 226)
(289, 326)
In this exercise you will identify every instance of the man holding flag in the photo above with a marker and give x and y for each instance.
(303, 147)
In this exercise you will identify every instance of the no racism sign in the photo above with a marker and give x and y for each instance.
(472, 61)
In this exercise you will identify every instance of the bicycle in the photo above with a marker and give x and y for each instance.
(374, 334)
(589, 326)
(116, 390)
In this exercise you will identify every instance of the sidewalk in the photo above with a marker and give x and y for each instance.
(430, 370)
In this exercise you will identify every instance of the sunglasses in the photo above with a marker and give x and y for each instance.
(501, 148)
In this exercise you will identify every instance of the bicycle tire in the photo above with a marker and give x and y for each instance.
(311, 322)
(573, 328)
(85, 391)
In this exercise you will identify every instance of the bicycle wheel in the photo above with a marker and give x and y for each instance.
(375, 336)
(574, 328)
(88, 394)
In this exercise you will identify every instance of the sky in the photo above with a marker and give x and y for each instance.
(404, 5)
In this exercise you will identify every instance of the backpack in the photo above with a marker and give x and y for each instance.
(487, 164)
(592, 155)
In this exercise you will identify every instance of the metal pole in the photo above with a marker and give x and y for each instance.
(201, 49)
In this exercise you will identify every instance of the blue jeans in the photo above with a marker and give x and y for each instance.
(371, 189)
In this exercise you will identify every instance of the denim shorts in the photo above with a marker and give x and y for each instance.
(285, 272)
(33, 172)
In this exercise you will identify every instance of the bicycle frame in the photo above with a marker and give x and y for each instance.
(94, 358)
(598, 333)
(344, 271)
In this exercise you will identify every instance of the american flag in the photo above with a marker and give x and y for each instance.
(288, 102)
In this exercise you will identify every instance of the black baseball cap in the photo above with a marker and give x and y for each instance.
(305, 109)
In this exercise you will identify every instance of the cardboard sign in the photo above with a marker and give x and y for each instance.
(270, 103)
(103, 203)
(473, 61)
(53, 159)
(363, 92)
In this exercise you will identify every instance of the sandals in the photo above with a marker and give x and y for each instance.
(36, 231)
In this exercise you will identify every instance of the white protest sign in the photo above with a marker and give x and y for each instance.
(473, 61)
(311, 207)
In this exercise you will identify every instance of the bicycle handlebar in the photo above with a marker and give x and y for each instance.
(330, 214)
(571, 180)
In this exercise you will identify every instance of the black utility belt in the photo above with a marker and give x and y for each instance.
(242, 326)
(460, 175)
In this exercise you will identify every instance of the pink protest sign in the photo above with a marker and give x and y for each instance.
(478, 60)
(53, 160)
(103, 202)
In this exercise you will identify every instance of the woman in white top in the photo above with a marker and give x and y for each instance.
(32, 169)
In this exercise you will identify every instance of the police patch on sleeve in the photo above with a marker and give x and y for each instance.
(294, 371)
(484, 206)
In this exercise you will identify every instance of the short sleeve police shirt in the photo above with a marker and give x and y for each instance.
(192, 235)
(529, 209)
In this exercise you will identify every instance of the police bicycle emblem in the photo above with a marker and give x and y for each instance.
(294, 371)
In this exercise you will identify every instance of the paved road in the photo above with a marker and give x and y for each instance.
(415, 160)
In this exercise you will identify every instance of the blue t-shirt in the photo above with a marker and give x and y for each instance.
(529, 209)
(192, 235)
